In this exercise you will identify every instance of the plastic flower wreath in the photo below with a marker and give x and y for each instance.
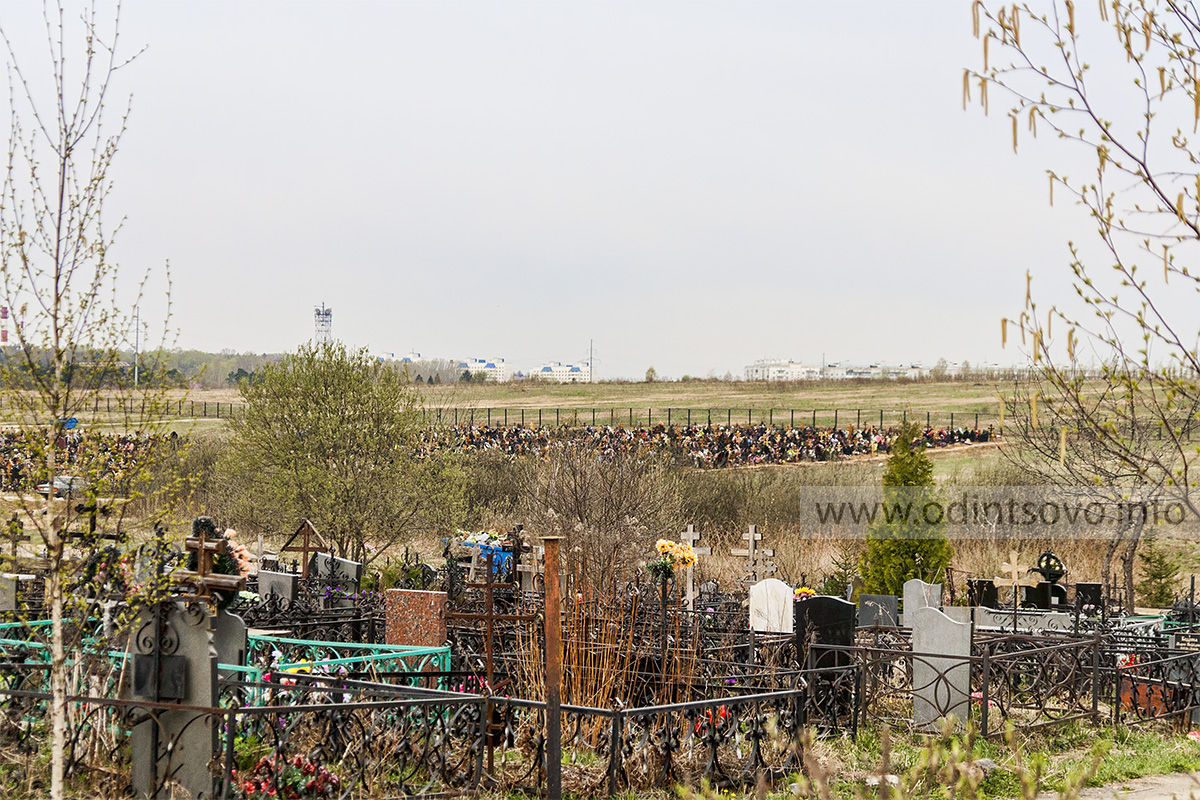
(672, 556)
(803, 593)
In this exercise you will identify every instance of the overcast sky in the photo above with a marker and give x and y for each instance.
(693, 186)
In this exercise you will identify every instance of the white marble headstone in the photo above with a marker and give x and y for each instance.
(942, 676)
(771, 607)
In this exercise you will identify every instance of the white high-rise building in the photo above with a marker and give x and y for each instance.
(496, 369)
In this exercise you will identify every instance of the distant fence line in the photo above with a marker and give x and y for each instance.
(633, 417)
(629, 416)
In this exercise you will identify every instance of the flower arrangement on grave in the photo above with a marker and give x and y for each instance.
(671, 556)
(291, 779)
(485, 538)
(803, 593)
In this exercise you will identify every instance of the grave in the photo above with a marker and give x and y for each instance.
(690, 537)
(282, 585)
(771, 607)
(981, 592)
(174, 742)
(230, 639)
(340, 575)
(878, 609)
(825, 621)
(1036, 596)
(415, 618)
(919, 594)
(942, 682)
(1089, 594)
(758, 563)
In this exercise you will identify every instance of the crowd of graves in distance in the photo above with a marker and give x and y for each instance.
(296, 682)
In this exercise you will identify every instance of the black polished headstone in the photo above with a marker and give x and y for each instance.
(983, 593)
(878, 609)
(1089, 594)
(825, 620)
(1036, 596)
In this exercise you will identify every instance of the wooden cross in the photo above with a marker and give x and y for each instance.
(690, 537)
(306, 546)
(93, 510)
(16, 535)
(758, 565)
(204, 580)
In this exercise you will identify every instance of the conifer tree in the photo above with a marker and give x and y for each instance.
(907, 540)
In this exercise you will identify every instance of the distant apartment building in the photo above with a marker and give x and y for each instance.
(558, 372)
(496, 369)
(777, 370)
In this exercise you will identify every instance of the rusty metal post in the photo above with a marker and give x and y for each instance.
(553, 630)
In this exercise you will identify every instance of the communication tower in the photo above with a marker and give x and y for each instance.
(324, 324)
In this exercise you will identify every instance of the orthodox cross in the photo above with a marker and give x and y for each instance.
(16, 535)
(690, 537)
(489, 617)
(204, 579)
(1015, 580)
(306, 547)
(758, 564)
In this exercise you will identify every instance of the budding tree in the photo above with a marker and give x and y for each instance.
(59, 280)
(1120, 82)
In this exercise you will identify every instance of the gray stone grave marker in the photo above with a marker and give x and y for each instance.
(339, 573)
(919, 594)
(175, 743)
(942, 678)
(878, 609)
(771, 607)
(284, 585)
(230, 639)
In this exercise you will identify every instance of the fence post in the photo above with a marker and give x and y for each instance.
(553, 633)
(951, 420)
(927, 425)
(858, 419)
(985, 693)
(614, 751)
(793, 423)
(835, 419)
(881, 419)
(728, 417)
(668, 416)
(814, 418)
(1096, 677)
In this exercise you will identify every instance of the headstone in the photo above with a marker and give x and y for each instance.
(229, 639)
(415, 618)
(941, 667)
(284, 585)
(878, 609)
(1090, 594)
(982, 593)
(959, 613)
(176, 743)
(8, 593)
(919, 594)
(830, 621)
(1036, 596)
(771, 607)
(340, 575)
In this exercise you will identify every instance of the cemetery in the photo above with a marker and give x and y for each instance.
(499, 671)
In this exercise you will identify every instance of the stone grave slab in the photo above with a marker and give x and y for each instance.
(284, 585)
(1028, 621)
(830, 621)
(941, 680)
(415, 618)
(8, 593)
(982, 592)
(878, 609)
(341, 574)
(1090, 594)
(919, 594)
(230, 639)
(771, 607)
(176, 742)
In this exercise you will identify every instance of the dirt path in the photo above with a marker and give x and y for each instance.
(1181, 785)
